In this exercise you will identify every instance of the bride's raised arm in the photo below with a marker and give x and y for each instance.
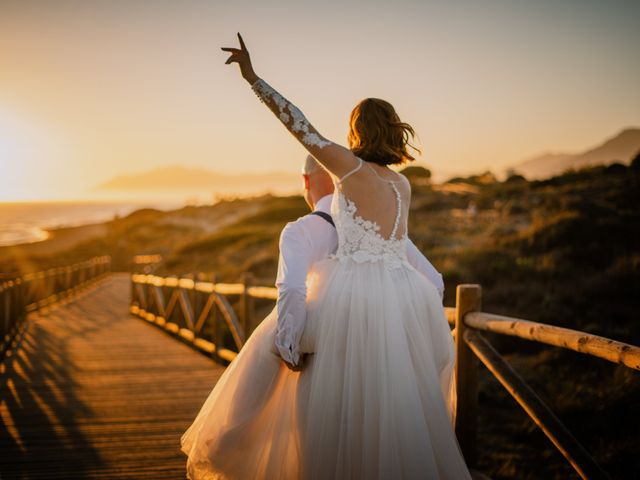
(335, 158)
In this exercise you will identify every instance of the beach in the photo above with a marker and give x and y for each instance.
(60, 222)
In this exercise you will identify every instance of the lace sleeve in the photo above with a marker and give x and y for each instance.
(336, 158)
(289, 115)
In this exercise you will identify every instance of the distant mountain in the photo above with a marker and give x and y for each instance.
(179, 178)
(620, 148)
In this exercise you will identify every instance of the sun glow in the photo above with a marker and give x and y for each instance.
(94, 90)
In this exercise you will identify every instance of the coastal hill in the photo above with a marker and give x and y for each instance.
(191, 179)
(619, 148)
(183, 178)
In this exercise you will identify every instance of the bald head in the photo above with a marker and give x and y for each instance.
(317, 181)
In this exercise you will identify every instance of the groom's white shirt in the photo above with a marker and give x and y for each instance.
(302, 243)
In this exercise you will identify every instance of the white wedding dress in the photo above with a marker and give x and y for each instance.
(376, 400)
(380, 394)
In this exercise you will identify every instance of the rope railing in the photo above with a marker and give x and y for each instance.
(33, 291)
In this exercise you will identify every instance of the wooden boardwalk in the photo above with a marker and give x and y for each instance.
(96, 393)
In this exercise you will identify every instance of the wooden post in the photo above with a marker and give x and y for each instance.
(196, 298)
(4, 317)
(468, 299)
(74, 279)
(6, 307)
(132, 292)
(26, 292)
(20, 300)
(246, 305)
(216, 327)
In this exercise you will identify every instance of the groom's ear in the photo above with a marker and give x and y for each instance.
(306, 181)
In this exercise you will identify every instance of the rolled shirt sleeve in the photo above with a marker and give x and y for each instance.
(293, 265)
(424, 266)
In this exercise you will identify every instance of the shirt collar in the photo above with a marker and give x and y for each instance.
(324, 204)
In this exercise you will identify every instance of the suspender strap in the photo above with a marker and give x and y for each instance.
(325, 216)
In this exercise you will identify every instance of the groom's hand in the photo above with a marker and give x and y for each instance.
(298, 367)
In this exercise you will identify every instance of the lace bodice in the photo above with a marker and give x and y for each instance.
(359, 239)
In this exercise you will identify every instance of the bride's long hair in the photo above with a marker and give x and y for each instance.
(377, 135)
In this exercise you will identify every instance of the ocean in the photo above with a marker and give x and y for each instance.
(25, 222)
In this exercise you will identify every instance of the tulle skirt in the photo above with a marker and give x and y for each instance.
(248, 427)
(375, 400)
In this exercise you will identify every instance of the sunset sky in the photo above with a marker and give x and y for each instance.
(93, 89)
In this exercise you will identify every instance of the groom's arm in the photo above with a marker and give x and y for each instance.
(293, 266)
(424, 266)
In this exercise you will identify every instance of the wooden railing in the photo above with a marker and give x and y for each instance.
(471, 346)
(32, 291)
(198, 311)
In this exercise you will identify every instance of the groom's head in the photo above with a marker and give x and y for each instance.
(317, 182)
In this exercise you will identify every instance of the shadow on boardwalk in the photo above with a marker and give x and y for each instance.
(95, 393)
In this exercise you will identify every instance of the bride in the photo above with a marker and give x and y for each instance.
(372, 403)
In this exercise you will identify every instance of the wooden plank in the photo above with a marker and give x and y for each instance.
(229, 288)
(268, 293)
(93, 392)
(594, 345)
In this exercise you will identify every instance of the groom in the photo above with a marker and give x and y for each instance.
(302, 243)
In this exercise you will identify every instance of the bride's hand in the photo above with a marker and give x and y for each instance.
(241, 57)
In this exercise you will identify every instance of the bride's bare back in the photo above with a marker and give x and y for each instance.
(380, 196)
